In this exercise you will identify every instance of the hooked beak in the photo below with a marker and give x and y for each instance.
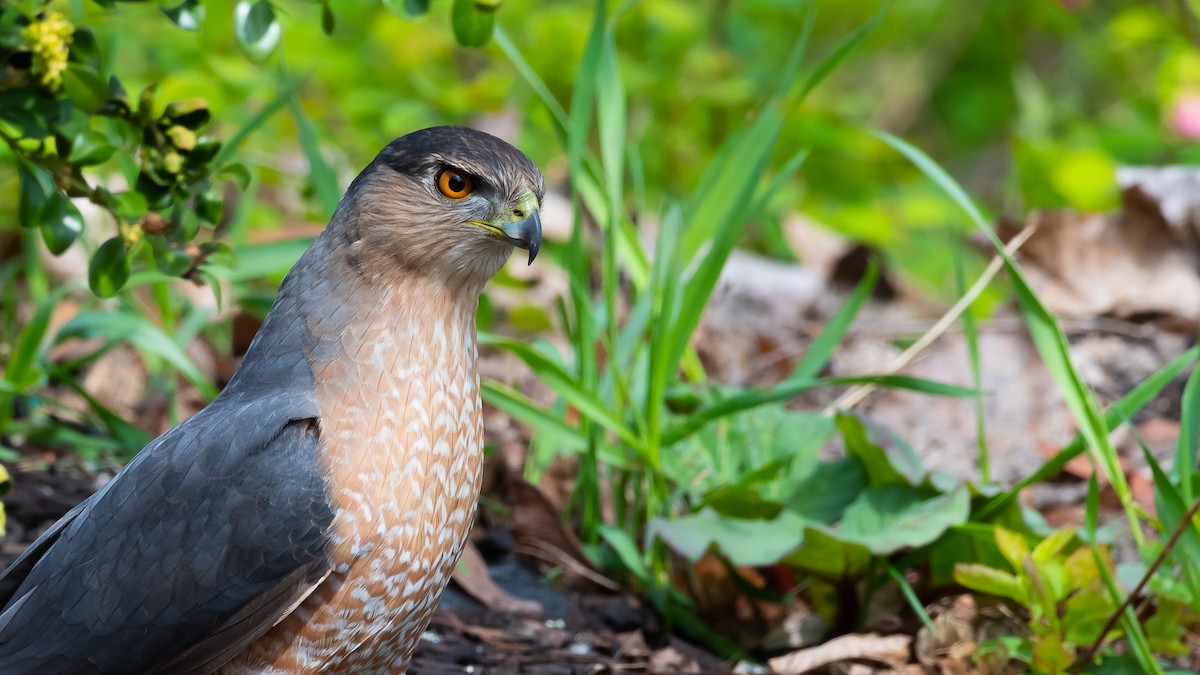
(521, 226)
(525, 233)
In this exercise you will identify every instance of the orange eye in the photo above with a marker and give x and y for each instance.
(454, 184)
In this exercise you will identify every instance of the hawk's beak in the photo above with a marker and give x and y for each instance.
(525, 233)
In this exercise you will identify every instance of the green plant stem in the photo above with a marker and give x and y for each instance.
(1184, 522)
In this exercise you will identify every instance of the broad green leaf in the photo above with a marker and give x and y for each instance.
(85, 87)
(890, 518)
(879, 468)
(61, 223)
(256, 28)
(1049, 548)
(824, 495)
(109, 269)
(472, 26)
(826, 554)
(131, 204)
(188, 15)
(1050, 655)
(1087, 179)
(36, 187)
(1013, 547)
(90, 147)
(744, 542)
(991, 581)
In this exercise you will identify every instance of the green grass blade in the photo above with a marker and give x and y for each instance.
(817, 356)
(21, 370)
(571, 389)
(971, 337)
(324, 178)
(288, 89)
(792, 388)
(1189, 435)
(522, 408)
(1125, 408)
(844, 48)
(535, 82)
(910, 596)
(1172, 508)
(1047, 336)
(143, 335)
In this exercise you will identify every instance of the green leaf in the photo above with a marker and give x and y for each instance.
(36, 187)
(109, 269)
(991, 581)
(744, 542)
(188, 15)
(61, 223)
(827, 554)
(894, 517)
(821, 350)
(409, 9)
(327, 19)
(1049, 548)
(85, 87)
(130, 205)
(90, 147)
(238, 173)
(256, 29)
(322, 176)
(1013, 547)
(626, 550)
(192, 114)
(824, 495)
(472, 26)
(875, 460)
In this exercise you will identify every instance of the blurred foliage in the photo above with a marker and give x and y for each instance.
(1031, 103)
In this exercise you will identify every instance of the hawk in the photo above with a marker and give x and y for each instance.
(309, 518)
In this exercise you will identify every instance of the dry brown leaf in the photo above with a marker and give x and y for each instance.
(471, 575)
(891, 651)
(1128, 265)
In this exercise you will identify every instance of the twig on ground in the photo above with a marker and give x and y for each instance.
(857, 394)
(1184, 522)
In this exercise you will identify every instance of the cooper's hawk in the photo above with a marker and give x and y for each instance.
(308, 519)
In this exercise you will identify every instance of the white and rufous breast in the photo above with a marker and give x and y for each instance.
(402, 440)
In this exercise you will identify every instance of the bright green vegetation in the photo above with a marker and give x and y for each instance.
(713, 120)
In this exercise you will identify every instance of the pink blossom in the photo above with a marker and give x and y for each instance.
(1185, 116)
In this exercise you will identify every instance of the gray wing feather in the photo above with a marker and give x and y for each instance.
(205, 541)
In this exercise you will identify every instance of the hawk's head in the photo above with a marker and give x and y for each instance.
(446, 201)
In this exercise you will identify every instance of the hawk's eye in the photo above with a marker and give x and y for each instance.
(453, 184)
